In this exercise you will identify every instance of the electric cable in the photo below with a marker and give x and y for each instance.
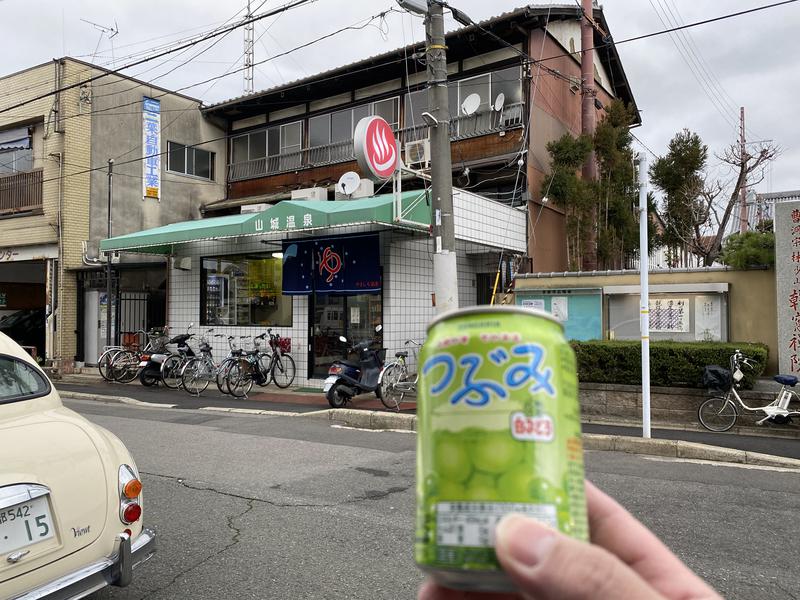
(217, 33)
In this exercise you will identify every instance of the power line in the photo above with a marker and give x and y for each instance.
(214, 34)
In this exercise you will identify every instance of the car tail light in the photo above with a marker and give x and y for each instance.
(130, 488)
(131, 512)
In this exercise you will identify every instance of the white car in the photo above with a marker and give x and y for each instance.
(70, 494)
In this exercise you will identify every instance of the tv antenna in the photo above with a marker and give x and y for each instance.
(109, 32)
(249, 52)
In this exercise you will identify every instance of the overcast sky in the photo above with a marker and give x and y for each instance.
(745, 61)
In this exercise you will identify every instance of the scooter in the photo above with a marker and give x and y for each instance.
(347, 379)
(150, 367)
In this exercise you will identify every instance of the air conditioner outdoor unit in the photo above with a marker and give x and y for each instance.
(365, 189)
(315, 193)
(254, 208)
(418, 154)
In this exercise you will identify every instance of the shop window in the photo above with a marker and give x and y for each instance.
(244, 290)
(188, 160)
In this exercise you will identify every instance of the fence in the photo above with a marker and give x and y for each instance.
(21, 192)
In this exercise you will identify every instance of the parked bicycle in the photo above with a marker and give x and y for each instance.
(261, 367)
(126, 364)
(720, 412)
(107, 356)
(396, 382)
(199, 371)
(172, 366)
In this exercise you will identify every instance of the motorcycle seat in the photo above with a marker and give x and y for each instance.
(789, 380)
(349, 363)
(401, 354)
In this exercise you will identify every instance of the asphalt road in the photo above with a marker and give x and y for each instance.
(212, 397)
(276, 507)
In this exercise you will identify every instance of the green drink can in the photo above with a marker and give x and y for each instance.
(498, 432)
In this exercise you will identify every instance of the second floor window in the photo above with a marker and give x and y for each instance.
(190, 161)
(16, 153)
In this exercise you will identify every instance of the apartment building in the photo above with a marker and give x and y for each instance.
(60, 123)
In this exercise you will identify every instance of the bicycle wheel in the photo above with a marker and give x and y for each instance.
(125, 366)
(104, 363)
(171, 371)
(264, 367)
(239, 380)
(283, 371)
(195, 376)
(222, 373)
(717, 414)
(389, 395)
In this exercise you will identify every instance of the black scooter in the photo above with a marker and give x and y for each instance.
(347, 379)
(152, 366)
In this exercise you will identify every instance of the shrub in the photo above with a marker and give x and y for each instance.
(672, 364)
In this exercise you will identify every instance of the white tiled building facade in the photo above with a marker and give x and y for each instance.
(407, 264)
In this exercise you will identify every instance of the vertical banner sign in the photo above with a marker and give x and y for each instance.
(151, 148)
(787, 275)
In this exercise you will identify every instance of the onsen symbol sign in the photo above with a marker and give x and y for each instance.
(331, 262)
(376, 148)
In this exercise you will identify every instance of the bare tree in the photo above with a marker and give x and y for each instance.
(750, 168)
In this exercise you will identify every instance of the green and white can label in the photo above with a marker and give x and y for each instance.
(498, 433)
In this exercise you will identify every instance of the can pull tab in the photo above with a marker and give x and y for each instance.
(17, 556)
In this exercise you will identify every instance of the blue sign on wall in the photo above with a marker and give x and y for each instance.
(337, 265)
(580, 310)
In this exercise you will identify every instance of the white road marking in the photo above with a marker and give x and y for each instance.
(720, 464)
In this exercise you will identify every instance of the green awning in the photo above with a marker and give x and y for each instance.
(284, 217)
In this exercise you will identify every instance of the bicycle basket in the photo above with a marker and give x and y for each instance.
(717, 379)
(285, 344)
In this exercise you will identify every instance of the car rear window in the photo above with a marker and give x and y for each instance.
(20, 381)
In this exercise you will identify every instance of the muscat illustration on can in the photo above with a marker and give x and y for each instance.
(498, 432)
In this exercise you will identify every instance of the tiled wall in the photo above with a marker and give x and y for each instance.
(408, 284)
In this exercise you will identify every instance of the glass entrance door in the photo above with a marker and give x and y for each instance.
(354, 317)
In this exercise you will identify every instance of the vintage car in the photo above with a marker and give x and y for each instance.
(70, 494)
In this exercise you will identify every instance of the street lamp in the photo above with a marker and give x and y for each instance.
(419, 7)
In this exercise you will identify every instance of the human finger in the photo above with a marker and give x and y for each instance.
(547, 565)
(615, 529)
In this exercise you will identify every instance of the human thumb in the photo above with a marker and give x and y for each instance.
(545, 565)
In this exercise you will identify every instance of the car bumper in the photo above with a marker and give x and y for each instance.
(116, 569)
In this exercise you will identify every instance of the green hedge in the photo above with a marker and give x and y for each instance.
(672, 364)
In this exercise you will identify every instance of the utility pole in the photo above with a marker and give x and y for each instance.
(588, 96)
(249, 66)
(644, 293)
(743, 220)
(108, 254)
(442, 222)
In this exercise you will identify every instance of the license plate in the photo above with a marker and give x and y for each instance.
(143, 363)
(25, 524)
(329, 383)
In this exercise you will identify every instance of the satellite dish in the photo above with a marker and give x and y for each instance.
(499, 101)
(348, 183)
(471, 104)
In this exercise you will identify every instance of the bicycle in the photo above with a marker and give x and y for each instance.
(173, 365)
(395, 380)
(281, 364)
(126, 364)
(107, 356)
(720, 412)
(252, 368)
(200, 371)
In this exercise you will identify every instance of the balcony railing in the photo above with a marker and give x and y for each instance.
(21, 192)
(461, 127)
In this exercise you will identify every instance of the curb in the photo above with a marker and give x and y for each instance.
(379, 421)
(685, 450)
(110, 399)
